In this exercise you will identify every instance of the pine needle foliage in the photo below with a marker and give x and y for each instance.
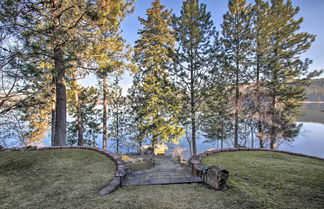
(158, 110)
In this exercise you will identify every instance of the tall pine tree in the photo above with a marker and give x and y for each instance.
(57, 32)
(262, 28)
(287, 75)
(158, 109)
(193, 60)
(237, 42)
(118, 116)
(84, 125)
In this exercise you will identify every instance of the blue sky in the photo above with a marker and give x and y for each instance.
(311, 10)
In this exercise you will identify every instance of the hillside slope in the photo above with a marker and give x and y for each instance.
(71, 179)
(52, 178)
(273, 180)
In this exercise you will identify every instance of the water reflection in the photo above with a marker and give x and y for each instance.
(310, 141)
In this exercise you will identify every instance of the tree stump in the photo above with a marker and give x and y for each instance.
(216, 177)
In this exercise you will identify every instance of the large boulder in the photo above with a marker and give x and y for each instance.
(216, 177)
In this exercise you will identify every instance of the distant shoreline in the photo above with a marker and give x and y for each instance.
(313, 102)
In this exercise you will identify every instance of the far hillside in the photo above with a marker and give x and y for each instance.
(315, 92)
(313, 109)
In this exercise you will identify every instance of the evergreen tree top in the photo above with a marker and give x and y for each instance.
(236, 5)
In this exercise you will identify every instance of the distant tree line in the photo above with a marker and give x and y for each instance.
(315, 91)
(245, 81)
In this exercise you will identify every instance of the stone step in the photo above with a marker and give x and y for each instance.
(160, 173)
(158, 181)
(158, 176)
(165, 171)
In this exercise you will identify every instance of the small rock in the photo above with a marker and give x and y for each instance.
(2, 148)
(30, 148)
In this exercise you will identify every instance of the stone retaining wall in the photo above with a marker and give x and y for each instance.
(114, 183)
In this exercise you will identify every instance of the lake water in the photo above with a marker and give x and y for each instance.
(310, 141)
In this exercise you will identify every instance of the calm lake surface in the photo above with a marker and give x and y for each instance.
(310, 141)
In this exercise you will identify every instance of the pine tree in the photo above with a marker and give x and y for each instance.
(135, 104)
(112, 61)
(158, 108)
(119, 119)
(38, 120)
(237, 42)
(36, 110)
(286, 75)
(84, 115)
(13, 130)
(58, 32)
(216, 123)
(74, 105)
(193, 60)
(111, 56)
(261, 42)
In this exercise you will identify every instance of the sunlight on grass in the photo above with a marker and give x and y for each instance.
(72, 178)
(274, 180)
(44, 179)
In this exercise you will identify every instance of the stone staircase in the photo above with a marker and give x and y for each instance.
(165, 171)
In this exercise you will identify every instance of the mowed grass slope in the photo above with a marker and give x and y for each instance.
(273, 180)
(72, 178)
(53, 178)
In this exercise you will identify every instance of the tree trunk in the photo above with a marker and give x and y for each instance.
(252, 135)
(60, 109)
(259, 123)
(194, 146)
(222, 143)
(274, 80)
(260, 137)
(80, 126)
(78, 111)
(237, 94)
(117, 131)
(273, 127)
(53, 112)
(154, 140)
(105, 114)
(79, 119)
(193, 111)
(140, 146)
(188, 140)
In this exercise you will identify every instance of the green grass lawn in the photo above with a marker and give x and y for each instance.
(72, 178)
(273, 180)
(53, 178)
